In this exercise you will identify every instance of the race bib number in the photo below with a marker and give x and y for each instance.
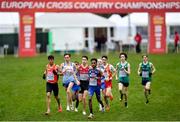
(84, 76)
(145, 74)
(50, 76)
(122, 73)
(93, 82)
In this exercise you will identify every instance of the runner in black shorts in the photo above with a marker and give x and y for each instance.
(84, 81)
(51, 77)
(52, 87)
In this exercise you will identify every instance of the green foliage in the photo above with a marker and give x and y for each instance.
(22, 91)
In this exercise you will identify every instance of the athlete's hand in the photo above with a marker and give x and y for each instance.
(44, 76)
(150, 74)
(140, 74)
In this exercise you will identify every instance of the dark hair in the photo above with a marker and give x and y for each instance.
(76, 62)
(67, 54)
(50, 57)
(124, 55)
(94, 59)
(85, 57)
(104, 56)
(144, 55)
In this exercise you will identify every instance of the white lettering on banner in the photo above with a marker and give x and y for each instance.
(93, 5)
(59, 5)
(22, 5)
(158, 44)
(158, 35)
(27, 35)
(158, 28)
(87, 5)
(147, 5)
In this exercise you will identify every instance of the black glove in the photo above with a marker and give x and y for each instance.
(150, 74)
(44, 76)
(54, 72)
(140, 74)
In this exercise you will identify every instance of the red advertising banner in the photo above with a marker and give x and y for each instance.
(27, 35)
(95, 6)
(157, 32)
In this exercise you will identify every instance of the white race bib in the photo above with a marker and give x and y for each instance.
(93, 82)
(50, 76)
(145, 74)
(84, 77)
(122, 73)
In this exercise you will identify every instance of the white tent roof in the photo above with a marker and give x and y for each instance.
(142, 19)
(135, 19)
(53, 20)
(9, 19)
(120, 21)
(173, 18)
(76, 19)
(139, 18)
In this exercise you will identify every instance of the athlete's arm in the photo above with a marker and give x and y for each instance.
(44, 74)
(153, 68)
(60, 69)
(139, 70)
(113, 70)
(116, 73)
(75, 77)
(128, 71)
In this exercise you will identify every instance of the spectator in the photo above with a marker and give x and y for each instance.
(176, 39)
(138, 39)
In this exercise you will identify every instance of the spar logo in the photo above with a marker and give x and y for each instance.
(27, 19)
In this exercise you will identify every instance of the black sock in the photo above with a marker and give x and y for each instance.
(149, 91)
(121, 95)
(90, 106)
(146, 95)
(125, 103)
(77, 103)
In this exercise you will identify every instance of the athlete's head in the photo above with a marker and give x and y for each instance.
(93, 62)
(99, 62)
(76, 64)
(84, 60)
(145, 57)
(123, 56)
(67, 57)
(104, 59)
(51, 59)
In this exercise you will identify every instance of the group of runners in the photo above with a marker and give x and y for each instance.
(82, 80)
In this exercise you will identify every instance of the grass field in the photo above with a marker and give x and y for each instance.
(22, 91)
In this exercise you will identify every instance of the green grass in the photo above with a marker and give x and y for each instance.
(22, 91)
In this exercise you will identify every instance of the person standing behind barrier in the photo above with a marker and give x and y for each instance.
(145, 70)
(176, 40)
(51, 76)
(122, 76)
(138, 40)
